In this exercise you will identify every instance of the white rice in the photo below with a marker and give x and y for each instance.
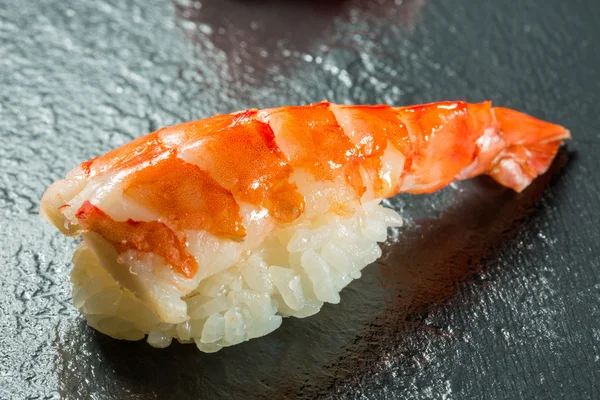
(293, 271)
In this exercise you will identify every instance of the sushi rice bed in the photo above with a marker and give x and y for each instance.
(293, 272)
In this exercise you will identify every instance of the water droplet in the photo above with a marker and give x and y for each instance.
(205, 28)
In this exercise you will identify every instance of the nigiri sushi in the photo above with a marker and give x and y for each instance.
(211, 231)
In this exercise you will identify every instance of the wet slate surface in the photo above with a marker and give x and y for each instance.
(484, 294)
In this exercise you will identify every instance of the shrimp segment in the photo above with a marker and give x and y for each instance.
(198, 176)
(152, 236)
(240, 153)
(371, 130)
(312, 139)
(159, 187)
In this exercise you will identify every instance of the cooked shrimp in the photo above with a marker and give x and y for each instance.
(207, 195)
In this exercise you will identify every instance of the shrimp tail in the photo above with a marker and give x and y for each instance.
(516, 149)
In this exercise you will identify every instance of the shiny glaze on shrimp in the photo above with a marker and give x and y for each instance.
(195, 175)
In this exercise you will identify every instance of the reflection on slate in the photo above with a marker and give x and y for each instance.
(265, 25)
(483, 293)
(263, 37)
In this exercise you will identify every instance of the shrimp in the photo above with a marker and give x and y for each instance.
(287, 198)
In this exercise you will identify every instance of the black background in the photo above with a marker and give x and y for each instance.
(483, 294)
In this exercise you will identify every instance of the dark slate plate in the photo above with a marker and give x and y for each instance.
(484, 293)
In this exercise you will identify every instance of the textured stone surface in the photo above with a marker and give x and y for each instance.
(484, 294)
